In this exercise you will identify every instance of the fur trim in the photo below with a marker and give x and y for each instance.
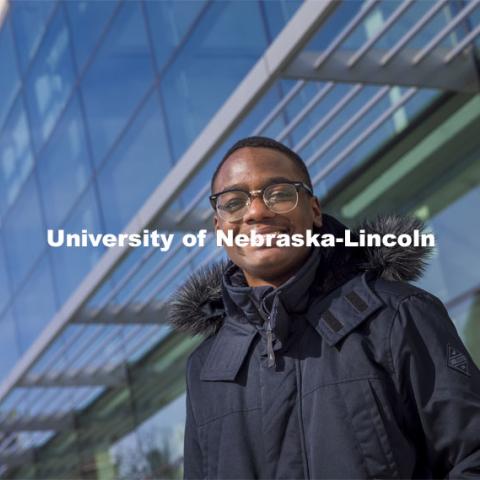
(197, 307)
(398, 263)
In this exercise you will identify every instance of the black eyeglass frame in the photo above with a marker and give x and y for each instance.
(260, 192)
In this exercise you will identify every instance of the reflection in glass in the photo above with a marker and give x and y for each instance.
(9, 352)
(457, 245)
(35, 304)
(70, 265)
(29, 18)
(16, 160)
(4, 283)
(50, 79)
(9, 79)
(87, 21)
(161, 441)
(120, 75)
(217, 55)
(137, 165)
(24, 233)
(466, 317)
(278, 13)
(169, 22)
(64, 165)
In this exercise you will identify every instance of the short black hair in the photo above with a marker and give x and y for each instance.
(265, 142)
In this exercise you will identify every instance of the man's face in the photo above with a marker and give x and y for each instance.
(253, 168)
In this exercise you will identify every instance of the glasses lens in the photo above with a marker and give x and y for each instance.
(281, 198)
(232, 205)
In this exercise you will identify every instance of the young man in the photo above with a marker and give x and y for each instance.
(318, 362)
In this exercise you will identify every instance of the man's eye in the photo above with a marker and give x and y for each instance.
(233, 204)
(280, 196)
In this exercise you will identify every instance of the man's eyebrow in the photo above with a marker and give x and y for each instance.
(268, 181)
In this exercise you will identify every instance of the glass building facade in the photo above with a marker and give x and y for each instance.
(100, 103)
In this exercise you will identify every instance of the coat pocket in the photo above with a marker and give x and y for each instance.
(367, 415)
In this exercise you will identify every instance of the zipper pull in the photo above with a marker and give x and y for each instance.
(270, 352)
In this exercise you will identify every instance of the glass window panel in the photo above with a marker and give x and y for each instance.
(71, 264)
(333, 25)
(466, 317)
(16, 160)
(29, 18)
(50, 79)
(137, 165)
(8, 345)
(24, 233)
(457, 251)
(218, 54)
(120, 75)
(278, 13)
(34, 306)
(4, 283)
(64, 167)
(161, 440)
(9, 79)
(169, 22)
(87, 20)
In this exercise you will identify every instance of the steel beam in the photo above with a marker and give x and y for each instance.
(77, 378)
(261, 77)
(458, 75)
(154, 313)
(37, 423)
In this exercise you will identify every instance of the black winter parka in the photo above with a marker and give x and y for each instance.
(345, 371)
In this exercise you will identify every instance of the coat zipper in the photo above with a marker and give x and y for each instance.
(270, 352)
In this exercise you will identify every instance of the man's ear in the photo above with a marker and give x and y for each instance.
(215, 223)
(317, 212)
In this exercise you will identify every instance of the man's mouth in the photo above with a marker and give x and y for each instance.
(269, 235)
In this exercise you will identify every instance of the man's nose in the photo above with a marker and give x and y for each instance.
(257, 210)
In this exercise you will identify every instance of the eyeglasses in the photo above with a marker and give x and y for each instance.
(232, 205)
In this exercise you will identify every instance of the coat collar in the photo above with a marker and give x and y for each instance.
(198, 307)
(333, 317)
(293, 294)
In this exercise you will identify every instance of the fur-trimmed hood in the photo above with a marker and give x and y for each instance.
(197, 307)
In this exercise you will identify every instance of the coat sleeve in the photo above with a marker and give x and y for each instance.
(192, 454)
(440, 385)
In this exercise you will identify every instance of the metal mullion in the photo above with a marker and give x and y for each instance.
(352, 121)
(53, 360)
(97, 349)
(351, 26)
(413, 31)
(280, 106)
(316, 99)
(353, 92)
(454, 52)
(65, 347)
(40, 394)
(365, 134)
(193, 203)
(172, 275)
(52, 395)
(148, 333)
(87, 393)
(388, 23)
(75, 337)
(129, 351)
(147, 279)
(298, 31)
(125, 279)
(444, 32)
